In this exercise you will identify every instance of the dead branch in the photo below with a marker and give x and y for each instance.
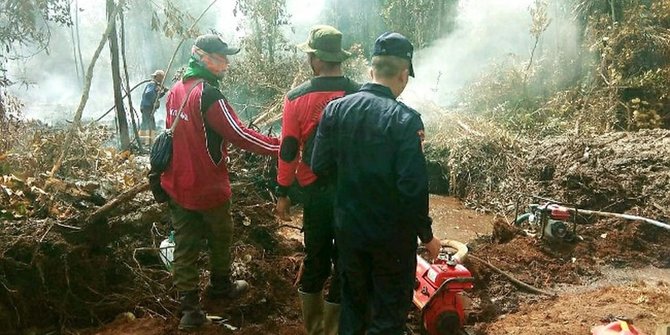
(87, 88)
(511, 278)
(123, 197)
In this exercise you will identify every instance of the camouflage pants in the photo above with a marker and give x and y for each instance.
(191, 228)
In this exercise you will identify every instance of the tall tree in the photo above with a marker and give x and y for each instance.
(359, 21)
(422, 21)
(127, 81)
(116, 80)
(265, 18)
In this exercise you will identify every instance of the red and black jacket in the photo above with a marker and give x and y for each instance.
(197, 177)
(303, 107)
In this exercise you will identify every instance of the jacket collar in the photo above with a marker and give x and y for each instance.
(378, 89)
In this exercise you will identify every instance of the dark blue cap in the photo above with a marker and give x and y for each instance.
(394, 44)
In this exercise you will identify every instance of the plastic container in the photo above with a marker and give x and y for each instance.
(616, 328)
(166, 251)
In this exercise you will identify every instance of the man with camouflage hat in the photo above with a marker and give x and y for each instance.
(197, 177)
(373, 145)
(302, 111)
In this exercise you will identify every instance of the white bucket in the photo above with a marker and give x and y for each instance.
(166, 251)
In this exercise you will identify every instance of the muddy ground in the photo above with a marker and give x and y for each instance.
(60, 273)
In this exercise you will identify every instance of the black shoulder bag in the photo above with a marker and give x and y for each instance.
(161, 153)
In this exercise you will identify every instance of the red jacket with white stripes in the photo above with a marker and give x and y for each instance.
(197, 178)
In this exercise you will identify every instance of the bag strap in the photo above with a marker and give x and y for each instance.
(181, 108)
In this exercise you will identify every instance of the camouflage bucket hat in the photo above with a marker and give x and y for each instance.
(326, 44)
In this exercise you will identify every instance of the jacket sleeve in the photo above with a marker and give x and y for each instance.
(290, 147)
(323, 157)
(221, 117)
(412, 182)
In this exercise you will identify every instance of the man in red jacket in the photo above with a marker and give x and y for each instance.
(197, 178)
(302, 111)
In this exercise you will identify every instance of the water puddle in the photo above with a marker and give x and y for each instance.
(452, 220)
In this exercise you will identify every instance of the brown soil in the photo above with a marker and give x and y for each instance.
(57, 278)
(647, 304)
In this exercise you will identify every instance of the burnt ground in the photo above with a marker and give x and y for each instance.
(60, 273)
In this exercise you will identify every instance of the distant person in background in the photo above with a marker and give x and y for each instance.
(372, 145)
(152, 92)
(302, 111)
(197, 178)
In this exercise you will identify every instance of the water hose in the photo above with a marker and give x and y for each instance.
(622, 216)
(512, 279)
(461, 249)
(521, 218)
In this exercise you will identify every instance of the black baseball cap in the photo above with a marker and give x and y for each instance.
(394, 44)
(213, 44)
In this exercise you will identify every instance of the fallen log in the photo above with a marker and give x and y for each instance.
(121, 198)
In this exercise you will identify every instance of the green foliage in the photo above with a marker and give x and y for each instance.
(265, 18)
(634, 62)
(24, 24)
(624, 85)
(270, 66)
(260, 76)
(359, 21)
(422, 21)
(174, 22)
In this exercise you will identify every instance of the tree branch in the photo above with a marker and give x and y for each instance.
(87, 88)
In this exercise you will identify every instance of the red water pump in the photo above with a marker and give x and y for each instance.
(438, 291)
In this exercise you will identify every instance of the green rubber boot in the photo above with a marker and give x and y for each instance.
(331, 318)
(312, 312)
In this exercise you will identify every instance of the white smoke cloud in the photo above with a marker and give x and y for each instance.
(486, 31)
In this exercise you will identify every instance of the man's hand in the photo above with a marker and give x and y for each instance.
(283, 209)
(433, 248)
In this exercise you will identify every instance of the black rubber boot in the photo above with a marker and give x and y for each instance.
(192, 315)
(223, 287)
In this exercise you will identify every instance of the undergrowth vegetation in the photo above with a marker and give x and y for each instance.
(619, 81)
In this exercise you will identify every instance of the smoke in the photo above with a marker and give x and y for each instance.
(486, 31)
(49, 84)
(303, 15)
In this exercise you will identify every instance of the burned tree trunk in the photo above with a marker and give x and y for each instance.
(116, 80)
(127, 82)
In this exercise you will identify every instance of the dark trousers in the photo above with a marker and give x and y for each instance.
(320, 249)
(191, 228)
(377, 288)
(148, 121)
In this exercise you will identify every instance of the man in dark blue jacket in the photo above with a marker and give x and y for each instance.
(372, 144)
(148, 105)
